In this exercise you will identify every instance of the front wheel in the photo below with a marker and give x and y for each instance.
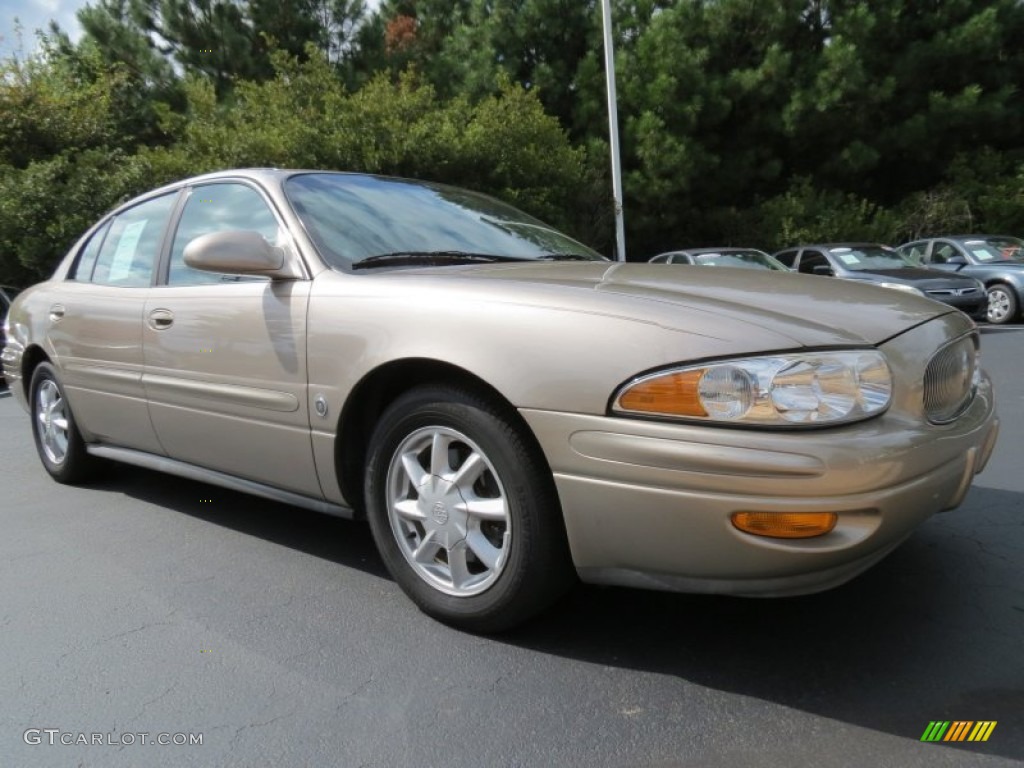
(1002, 304)
(463, 510)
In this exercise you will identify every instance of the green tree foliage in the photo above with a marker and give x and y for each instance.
(65, 156)
(503, 144)
(67, 159)
(742, 122)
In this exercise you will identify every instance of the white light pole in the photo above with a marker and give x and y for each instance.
(613, 130)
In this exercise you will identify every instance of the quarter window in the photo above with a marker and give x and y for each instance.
(132, 244)
(217, 208)
(87, 259)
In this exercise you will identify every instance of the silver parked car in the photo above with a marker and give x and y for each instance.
(508, 409)
(742, 258)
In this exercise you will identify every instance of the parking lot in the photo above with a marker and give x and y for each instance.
(148, 604)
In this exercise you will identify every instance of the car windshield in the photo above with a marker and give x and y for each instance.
(748, 259)
(374, 221)
(996, 249)
(867, 258)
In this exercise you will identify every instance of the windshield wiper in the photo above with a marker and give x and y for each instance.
(428, 258)
(565, 257)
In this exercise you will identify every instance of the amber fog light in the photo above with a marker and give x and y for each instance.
(785, 525)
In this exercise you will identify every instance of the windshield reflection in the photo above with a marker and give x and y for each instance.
(869, 258)
(351, 218)
(996, 249)
(743, 259)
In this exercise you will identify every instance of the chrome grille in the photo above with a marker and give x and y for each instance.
(950, 379)
(953, 291)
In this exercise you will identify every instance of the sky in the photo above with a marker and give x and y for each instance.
(34, 14)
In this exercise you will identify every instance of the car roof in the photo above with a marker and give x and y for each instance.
(969, 237)
(252, 174)
(829, 246)
(699, 251)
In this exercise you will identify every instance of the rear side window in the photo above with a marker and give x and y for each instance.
(786, 257)
(132, 245)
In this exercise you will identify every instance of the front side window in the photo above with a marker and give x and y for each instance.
(217, 208)
(811, 259)
(943, 252)
(132, 245)
(913, 253)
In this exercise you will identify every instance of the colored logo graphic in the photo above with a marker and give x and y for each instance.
(959, 730)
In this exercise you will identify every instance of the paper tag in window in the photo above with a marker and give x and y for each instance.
(121, 266)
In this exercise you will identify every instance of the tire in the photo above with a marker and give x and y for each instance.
(1002, 304)
(58, 441)
(464, 512)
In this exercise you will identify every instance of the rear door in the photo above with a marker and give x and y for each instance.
(225, 356)
(96, 325)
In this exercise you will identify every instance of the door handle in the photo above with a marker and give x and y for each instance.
(57, 313)
(161, 319)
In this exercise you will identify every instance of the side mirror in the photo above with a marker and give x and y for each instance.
(238, 252)
(824, 269)
(958, 260)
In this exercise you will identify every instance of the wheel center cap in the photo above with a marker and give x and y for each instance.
(439, 512)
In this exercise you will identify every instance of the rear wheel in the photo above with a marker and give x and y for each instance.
(1002, 304)
(58, 442)
(464, 512)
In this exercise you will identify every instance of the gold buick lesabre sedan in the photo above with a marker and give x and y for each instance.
(509, 410)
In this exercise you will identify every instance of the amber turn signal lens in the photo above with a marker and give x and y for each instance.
(674, 393)
(785, 525)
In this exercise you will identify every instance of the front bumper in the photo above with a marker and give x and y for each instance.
(648, 504)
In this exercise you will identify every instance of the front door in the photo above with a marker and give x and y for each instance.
(225, 356)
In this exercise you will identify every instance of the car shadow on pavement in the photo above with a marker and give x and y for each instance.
(344, 542)
(933, 632)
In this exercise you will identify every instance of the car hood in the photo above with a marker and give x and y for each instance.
(769, 310)
(919, 277)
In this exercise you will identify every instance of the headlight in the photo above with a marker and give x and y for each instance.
(809, 388)
(901, 287)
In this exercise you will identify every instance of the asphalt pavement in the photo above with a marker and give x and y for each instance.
(145, 608)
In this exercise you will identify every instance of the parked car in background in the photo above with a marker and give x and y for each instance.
(7, 294)
(995, 260)
(744, 258)
(507, 408)
(883, 266)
